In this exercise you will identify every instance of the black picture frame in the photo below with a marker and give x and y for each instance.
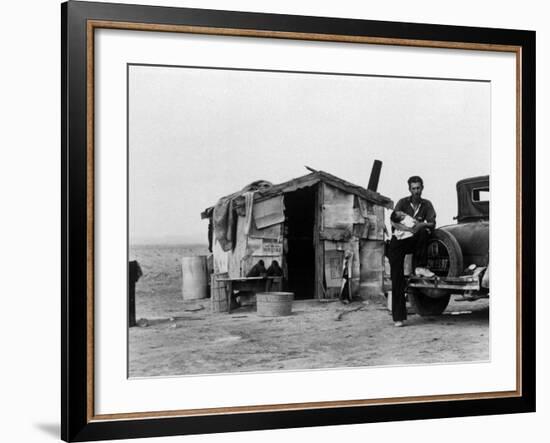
(77, 418)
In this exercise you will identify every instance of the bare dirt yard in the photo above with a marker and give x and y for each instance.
(192, 340)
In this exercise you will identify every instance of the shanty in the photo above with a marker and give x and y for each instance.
(305, 234)
(243, 259)
(294, 276)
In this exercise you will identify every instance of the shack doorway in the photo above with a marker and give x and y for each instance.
(300, 255)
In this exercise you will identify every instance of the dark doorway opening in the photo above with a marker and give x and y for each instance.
(300, 257)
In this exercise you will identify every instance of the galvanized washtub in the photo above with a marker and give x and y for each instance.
(274, 304)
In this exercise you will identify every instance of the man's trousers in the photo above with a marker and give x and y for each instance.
(396, 253)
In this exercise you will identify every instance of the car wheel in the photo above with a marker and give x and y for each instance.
(445, 260)
(425, 305)
(444, 254)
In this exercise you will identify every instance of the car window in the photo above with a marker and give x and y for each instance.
(480, 195)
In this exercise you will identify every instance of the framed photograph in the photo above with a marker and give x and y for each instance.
(275, 221)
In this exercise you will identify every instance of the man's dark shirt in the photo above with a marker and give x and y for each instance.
(426, 211)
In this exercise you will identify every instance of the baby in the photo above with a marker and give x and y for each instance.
(400, 234)
(405, 220)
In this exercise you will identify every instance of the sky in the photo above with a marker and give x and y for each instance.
(198, 134)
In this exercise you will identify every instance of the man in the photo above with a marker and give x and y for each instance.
(423, 213)
(134, 274)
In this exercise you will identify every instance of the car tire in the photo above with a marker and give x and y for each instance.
(454, 251)
(425, 305)
(428, 302)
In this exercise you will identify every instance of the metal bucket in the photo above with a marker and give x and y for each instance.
(274, 304)
(194, 277)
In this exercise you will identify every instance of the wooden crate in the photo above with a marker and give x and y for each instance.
(218, 295)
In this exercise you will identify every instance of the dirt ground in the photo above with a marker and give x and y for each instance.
(192, 340)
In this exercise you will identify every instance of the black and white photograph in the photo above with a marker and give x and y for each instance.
(242, 221)
(291, 220)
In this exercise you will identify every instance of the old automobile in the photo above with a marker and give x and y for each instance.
(458, 254)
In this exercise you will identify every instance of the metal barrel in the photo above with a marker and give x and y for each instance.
(194, 277)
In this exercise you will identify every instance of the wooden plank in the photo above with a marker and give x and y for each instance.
(341, 246)
(333, 245)
(274, 232)
(337, 205)
(333, 293)
(465, 287)
(337, 234)
(361, 230)
(355, 267)
(367, 194)
(218, 296)
(372, 268)
(337, 208)
(463, 279)
(311, 180)
(289, 186)
(334, 260)
(319, 286)
(339, 215)
(268, 212)
(376, 222)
